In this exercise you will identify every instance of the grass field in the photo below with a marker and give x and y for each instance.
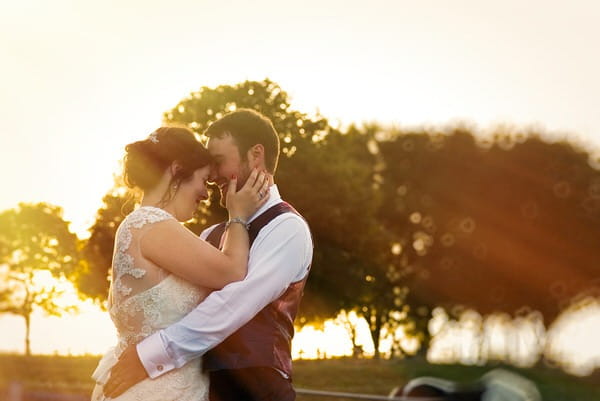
(71, 375)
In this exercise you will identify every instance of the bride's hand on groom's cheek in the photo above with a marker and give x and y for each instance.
(127, 372)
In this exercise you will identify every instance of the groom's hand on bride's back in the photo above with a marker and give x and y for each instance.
(127, 372)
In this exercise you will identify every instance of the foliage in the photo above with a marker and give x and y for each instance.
(405, 220)
(327, 175)
(98, 250)
(298, 132)
(35, 240)
(507, 224)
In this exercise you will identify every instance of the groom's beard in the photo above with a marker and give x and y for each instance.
(243, 175)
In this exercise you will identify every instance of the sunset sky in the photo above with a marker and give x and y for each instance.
(80, 79)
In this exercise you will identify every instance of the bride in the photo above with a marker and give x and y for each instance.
(160, 269)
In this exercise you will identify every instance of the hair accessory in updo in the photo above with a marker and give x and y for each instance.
(153, 137)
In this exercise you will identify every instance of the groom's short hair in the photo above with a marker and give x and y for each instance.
(248, 128)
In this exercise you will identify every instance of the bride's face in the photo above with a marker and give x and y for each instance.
(190, 193)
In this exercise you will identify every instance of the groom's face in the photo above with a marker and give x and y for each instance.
(227, 163)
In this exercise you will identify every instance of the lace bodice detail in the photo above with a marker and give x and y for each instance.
(123, 260)
(145, 298)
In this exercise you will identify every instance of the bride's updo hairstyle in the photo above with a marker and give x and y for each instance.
(146, 161)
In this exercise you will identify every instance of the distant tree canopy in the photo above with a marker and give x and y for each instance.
(507, 224)
(407, 220)
(326, 174)
(34, 239)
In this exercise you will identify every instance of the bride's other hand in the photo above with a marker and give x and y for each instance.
(245, 202)
(127, 372)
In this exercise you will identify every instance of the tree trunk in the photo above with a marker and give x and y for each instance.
(376, 333)
(27, 330)
(375, 322)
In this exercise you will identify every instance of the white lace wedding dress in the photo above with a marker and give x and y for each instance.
(143, 299)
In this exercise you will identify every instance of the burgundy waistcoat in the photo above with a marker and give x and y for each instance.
(266, 340)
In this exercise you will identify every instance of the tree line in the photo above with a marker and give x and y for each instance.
(403, 220)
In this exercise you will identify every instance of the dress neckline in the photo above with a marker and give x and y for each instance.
(155, 208)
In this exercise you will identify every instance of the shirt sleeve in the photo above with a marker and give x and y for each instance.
(280, 255)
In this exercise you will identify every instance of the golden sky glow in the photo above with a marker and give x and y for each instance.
(79, 80)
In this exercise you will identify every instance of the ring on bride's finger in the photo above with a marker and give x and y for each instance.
(260, 195)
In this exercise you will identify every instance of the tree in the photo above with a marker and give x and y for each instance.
(98, 250)
(35, 240)
(505, 224)
(298, 132)
(502, 224)
(330, 176)
(349, 321)
(405, 220)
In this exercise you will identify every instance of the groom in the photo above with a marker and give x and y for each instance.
(244, 330)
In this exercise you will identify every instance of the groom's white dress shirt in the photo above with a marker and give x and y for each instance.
(280, 255)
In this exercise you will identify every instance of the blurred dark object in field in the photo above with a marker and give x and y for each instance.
(496, 385)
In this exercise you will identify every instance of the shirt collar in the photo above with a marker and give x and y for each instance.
(274, 198)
